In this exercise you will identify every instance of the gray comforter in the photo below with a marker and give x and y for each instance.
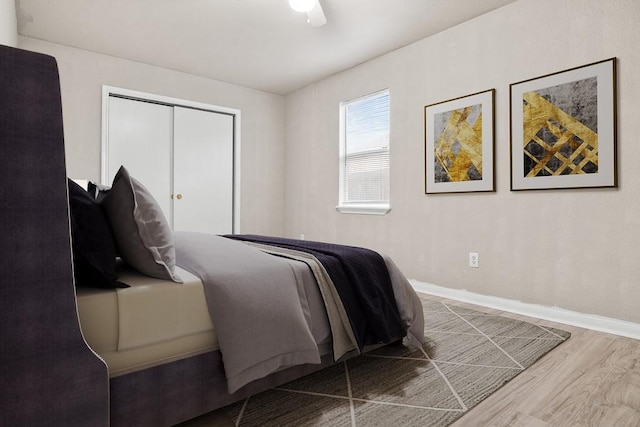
(267, 310)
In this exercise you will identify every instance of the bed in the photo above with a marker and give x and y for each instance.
(163, 339)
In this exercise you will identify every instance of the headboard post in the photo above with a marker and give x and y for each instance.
(48, 374)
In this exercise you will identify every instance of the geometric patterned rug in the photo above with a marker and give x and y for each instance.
(468, 356)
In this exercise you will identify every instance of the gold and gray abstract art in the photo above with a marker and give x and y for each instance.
(560, 134)
(458, 145)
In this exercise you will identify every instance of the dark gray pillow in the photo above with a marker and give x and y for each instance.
(98, 191)
(143, 237)
(94, 252)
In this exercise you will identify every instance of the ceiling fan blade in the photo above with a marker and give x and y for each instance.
(316, 16)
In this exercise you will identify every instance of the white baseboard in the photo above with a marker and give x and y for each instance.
(554, 314)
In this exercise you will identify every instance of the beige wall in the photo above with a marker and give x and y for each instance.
(8, 31)
(82, 75)
(576, 249)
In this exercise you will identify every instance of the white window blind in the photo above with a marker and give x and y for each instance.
(364, 153)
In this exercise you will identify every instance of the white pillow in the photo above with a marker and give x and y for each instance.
(143, 237)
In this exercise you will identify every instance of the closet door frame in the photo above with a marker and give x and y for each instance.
(109, 91)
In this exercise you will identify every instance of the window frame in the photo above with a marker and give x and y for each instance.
(358, 207)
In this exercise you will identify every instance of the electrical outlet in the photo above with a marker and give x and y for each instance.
(301, 236)
(474, 261)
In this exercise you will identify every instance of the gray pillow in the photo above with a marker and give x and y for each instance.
(143, 237)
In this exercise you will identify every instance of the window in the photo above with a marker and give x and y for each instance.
(364, 154)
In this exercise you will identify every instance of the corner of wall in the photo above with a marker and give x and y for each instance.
(8, 23)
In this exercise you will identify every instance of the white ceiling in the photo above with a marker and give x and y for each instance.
(260, 44)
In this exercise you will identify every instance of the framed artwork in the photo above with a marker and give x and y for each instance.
(459, 144)
(563, 129)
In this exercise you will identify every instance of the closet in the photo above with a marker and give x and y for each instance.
(185, 153)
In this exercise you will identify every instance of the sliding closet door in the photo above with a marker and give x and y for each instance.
(203, 171)
(184, 152)
(140, 138)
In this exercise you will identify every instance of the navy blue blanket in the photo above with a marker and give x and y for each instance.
(362, 281)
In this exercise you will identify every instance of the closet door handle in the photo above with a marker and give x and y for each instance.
(179, 196)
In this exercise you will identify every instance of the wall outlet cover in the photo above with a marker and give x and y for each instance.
(474, 261)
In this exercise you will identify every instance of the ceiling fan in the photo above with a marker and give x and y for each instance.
(315, 14)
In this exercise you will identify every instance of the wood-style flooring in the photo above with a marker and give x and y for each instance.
(593, 379)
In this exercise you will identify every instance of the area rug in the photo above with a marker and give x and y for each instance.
(468, 356)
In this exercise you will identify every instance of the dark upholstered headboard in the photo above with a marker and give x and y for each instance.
(48, 374)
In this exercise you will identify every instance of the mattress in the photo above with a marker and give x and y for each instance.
(158, 321)
(152, 322)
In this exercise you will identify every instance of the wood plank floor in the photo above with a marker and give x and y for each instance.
(593, 379)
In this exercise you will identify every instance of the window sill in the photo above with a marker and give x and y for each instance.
(364, 209)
